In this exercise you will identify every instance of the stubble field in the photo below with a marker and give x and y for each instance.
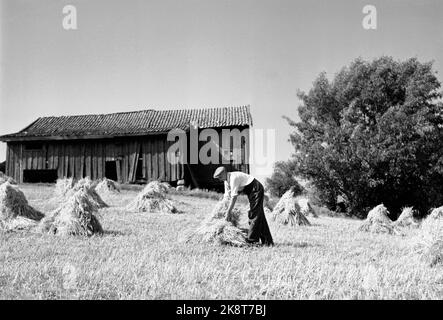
(141, 256)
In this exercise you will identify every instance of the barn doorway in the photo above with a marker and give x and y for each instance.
(139, 176)
(34, 176)
(111, 170)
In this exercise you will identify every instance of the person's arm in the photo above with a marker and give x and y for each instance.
(231, 206)
(227, 188)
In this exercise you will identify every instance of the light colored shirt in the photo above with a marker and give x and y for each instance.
(236, 182)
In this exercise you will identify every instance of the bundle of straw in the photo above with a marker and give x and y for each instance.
(215, 229)
(219, 231)
(76, 217)
(430, 239)
(288, 212)
(286, 198)
(292, 216)
(220, 209)
(305, 207)
(436, 213)
(65, 188)
(166, 186)
(15, 212)
(406, 218)
(378, 221)
(107, 187)
(153, 199)
(4, 178)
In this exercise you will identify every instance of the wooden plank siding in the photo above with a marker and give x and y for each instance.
(81, 158)
(17, 162)
(161, 159)
(148, 155)
(7, 171)
(20, 179)
(88, 163)
(61, 160)
(154, 155)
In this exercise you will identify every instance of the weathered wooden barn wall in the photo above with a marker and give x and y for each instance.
(81, 158)
(147, 156)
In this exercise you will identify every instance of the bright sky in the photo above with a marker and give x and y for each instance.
(167, 54)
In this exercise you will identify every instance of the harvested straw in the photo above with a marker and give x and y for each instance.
(166, 186)
(288, 211)
(89, 186)
(107, 187)
(430, 240)
(292, 216)
(220, 209)
(305, 207)
(286, 198)
(214, 229)
(406, 218)
(153, 199)
(15, 212)
(18, 224)
(4, 178)
(437, 213)
(378, 221)
(65, 188)
(219, 231)
(76, 217)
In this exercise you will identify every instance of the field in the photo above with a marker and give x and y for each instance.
(141, 257)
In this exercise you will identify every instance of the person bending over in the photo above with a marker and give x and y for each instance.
(236, 182)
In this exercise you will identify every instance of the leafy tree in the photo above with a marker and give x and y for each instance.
(283, 179)
(373, 134)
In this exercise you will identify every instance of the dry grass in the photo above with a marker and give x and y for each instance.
(139, 257)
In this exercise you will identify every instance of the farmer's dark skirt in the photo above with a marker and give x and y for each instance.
(258, 226)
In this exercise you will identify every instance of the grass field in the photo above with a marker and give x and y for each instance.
(141, 257)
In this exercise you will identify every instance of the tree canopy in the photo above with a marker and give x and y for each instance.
(374, 134)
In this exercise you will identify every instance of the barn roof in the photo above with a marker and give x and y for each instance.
(130, 123)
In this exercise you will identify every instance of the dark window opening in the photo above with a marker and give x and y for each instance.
(34, 146)
(111, 170)
(33, 176)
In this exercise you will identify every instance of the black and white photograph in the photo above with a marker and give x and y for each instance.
(221, 155)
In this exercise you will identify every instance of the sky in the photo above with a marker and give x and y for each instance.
(167, 54)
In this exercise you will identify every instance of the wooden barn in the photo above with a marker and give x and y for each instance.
(129, 147)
